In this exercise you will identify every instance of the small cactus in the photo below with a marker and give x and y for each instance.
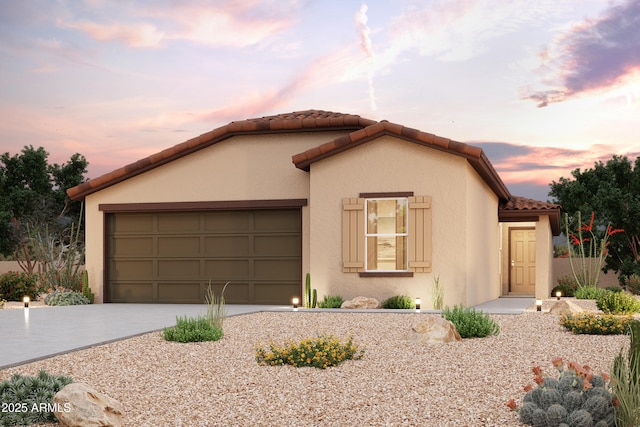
(556, 415)
(539, 418)
(526, 412)
(580, 418)
(597, 406)
(549, 397)
(572, 401)
(310, 299)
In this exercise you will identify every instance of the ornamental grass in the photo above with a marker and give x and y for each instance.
(321, 352)
(596, 324)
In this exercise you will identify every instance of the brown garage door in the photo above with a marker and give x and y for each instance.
(170, 257)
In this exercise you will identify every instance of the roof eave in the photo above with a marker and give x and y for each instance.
(532, 215)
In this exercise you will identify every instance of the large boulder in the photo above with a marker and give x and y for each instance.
(79, 405)
(565, 307)
(434, 330)
(361, 302)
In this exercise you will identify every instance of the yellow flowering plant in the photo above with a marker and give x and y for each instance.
(596, 324)
(320, 352)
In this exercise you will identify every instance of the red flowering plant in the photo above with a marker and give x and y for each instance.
(577, 394)
(587, 251)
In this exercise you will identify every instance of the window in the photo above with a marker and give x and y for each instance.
(386, 234)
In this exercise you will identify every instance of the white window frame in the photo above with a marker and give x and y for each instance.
(367, 234)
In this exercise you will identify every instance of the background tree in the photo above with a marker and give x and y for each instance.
(33, 197)
(612, 191)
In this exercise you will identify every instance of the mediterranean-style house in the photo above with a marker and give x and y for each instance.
(367, 208)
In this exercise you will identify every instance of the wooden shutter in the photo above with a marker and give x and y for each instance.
(353, 235)
(420, 234)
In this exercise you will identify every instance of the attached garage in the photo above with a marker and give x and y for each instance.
(172, 256)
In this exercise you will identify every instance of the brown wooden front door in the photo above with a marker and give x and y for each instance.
(522, 255)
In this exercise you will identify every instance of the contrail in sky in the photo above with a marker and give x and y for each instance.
(365, 45)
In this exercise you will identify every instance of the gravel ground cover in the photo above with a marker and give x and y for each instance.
(397, 383)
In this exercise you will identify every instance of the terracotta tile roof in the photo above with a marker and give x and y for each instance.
(520, 209)
(522, 203)
(360, 131)
(474, 155)
(309, 120)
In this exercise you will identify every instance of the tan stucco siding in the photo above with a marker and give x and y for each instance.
(240, 168)
(483, 257)
(389, 165)
(544, 256)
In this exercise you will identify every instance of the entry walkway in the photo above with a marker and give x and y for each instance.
(27, 335)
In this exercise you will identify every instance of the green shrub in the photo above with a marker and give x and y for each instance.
(632, 283)
(471, 323)
(331, 301)
(192, 329)
(567, 285)
(21, 398)
(15, 285)
(588, 292)
(613, 289)
(320, 352)
(618, 303)
(65, 297)
(399, 302)
(596, 324)
(578, 397)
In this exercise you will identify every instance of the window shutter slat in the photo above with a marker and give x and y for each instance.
(420, 250)
(352, 235)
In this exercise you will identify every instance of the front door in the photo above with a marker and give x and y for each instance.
(522, 253)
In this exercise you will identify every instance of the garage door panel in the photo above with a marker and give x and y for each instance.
(179, 292)
(179, 246)
(278, 245)
(277, 268)
(176, 269)
(276, 293)
(277, 220)
(228, 269)
(138, 223)
(131, 270)
(227, 246)
(178, 222)
(131, 246)
(236, 292)
(235, 221)
(125, 292)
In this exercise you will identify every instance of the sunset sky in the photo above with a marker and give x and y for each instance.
(543, 86)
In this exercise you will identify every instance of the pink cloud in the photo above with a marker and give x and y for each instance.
(226, 23)
(542, 165)
(593, 55)
(140, 34)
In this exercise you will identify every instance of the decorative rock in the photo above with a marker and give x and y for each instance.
(434, 330)
(565, 306)
(361, 302)
(79, 405)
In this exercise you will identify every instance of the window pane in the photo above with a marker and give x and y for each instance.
(386, 253)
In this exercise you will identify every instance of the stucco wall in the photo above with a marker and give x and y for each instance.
(255, 167)
(482, 241)
(393, 165)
